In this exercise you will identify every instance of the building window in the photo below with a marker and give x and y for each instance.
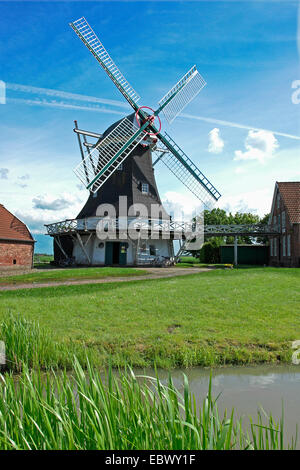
(145, 188)
(278, 201)
(284, 246)
(271, 246)
(283, 220)
(275, 246)
(143, 248)
(14, 261)
(288, 245)
(120, 167)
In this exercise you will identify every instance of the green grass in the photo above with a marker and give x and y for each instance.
(67, 274)
(238, 316)
(55, 412)
(40, 259)
(189, 259)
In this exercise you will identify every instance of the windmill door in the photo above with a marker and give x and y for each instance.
(115, 253)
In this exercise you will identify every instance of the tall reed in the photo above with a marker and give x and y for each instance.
(26, 342)
(124, 412)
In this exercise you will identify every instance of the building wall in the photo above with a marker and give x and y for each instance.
(95, 249)
(16, 254)
(284, 249)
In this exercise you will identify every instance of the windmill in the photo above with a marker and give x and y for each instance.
(120, 163)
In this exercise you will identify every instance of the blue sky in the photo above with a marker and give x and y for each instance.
(248, 53)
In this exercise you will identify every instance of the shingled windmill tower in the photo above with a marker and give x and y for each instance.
(118, 166)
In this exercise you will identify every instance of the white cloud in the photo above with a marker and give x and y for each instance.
(260, 146)
(216, 144)
(48, 202)
(35, 220)
(24, 177)
(181, 205)
(257, 202)
(239, 170)
(45, 211)
(4, 173)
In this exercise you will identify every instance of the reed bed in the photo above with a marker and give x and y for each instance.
(55, 411)
(45, 408)
(26, 342)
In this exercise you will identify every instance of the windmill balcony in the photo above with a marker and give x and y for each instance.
(176, 229)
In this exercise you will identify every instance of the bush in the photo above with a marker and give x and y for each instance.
(210, 252)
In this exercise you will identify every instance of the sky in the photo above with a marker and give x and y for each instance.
(242, 130)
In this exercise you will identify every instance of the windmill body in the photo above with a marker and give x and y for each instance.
(123, 221)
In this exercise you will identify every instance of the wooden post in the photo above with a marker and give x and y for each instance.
(235, 251)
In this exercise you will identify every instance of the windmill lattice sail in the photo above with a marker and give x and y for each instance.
(186, 90)
(93, 43)
(102, 162)
(187, 172)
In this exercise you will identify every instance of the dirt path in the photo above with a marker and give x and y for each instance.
(154, 273)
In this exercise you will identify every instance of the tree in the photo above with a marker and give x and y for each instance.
(209, 252)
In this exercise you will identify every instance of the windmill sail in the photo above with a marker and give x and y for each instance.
(187, 172)
(182, 94)
(101, 163)
(93, 43)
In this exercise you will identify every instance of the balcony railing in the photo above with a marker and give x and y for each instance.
(157, 225)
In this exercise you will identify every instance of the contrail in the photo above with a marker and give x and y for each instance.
(236, 125)
(63, 94)
(61, 104)
(96, 108)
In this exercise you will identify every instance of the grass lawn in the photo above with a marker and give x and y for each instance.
(218, 317)
(67, 274)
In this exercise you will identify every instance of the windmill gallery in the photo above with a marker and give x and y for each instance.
(118, 170)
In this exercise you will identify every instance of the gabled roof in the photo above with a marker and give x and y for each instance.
(11, 228)
(290, 193)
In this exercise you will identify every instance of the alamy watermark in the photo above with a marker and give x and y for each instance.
(296, 93)
(296, 354)
(138, 221)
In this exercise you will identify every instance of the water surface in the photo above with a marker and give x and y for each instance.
(246, 389)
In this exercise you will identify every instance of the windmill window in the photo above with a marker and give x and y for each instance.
(14, 261)
(145, 188)
(143, 247)
(120, 167)
(152, 250)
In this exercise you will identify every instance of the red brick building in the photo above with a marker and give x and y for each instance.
(285, 214)
(16, 242)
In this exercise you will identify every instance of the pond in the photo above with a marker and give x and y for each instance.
(246, 389)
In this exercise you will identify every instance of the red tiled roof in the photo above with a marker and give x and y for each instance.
(290, 193)
(11, 228)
